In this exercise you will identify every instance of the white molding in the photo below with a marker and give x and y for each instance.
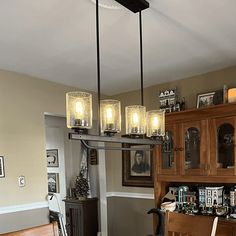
(23, 207)
(131, 195)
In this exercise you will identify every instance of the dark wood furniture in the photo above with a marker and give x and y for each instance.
(180, 224)
(200, 148)
(46, 230)
(82, 217)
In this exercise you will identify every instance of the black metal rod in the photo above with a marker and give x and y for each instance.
(98, 65)
(141, 55)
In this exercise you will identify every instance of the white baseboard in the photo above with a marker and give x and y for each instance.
(23, 207)
(130, 195)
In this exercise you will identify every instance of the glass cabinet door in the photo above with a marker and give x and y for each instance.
(168, 151)
(192, 148)
(168, 155)
(223, 146)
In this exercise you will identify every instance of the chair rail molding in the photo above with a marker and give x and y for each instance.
(130, 195)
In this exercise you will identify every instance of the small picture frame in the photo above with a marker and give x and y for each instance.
(137, 168)
(2, 170)
(205, 99)
(53, 182)
(52, 158)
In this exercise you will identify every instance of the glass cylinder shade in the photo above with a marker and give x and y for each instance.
(135, 117)
(110, 116)
(79, 110)
(155, 123)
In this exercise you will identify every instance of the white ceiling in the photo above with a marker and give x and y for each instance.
(55, 40)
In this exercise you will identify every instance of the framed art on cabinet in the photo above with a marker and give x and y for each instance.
(137, 169)
(205, 99)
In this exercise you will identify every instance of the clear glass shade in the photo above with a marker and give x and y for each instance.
(155, 123)
(79, 110)
(135, 120)
(110, 116)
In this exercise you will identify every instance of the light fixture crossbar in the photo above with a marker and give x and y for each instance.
(116, 148)
(96, 138)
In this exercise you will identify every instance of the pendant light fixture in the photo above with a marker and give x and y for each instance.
(110, 117)
(79, 105)
(79, 110)
(136, 114)
(137, 120)
(155, 123)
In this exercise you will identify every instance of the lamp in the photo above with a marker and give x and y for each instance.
(155, 123)
(232, 95)
(110, 117)
(79, 110)
(79, 105)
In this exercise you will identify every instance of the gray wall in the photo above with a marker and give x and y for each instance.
(23, 219)
(128, 216)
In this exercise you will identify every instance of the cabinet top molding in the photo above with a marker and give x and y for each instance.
(214, 111)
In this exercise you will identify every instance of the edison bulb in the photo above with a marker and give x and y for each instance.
(79, 109)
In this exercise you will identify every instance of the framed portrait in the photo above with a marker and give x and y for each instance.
(53, 182)
(205, 99)
(52, 158)
(137, 168)
(2, 170)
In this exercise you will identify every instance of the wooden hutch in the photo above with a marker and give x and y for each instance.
(199, 149)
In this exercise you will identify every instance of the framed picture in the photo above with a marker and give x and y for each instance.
(137, 168)
(52, 158)
(205, 99)
(53, 182)
(2, 171)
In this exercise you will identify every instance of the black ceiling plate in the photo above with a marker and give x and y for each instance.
(134, 5)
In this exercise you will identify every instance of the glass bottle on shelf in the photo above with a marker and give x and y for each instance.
(167, 151)
(192, 148)
(225, 146)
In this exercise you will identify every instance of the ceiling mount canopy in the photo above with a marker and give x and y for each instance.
(134, 5)
(108, 4)
(79, 106)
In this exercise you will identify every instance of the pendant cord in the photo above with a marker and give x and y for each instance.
(98, 65)
(141, 55)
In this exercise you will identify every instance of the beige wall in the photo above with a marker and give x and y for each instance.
(188, 88)
(23, 101)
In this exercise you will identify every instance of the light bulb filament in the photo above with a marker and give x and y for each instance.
(79, 109)
(135, 119)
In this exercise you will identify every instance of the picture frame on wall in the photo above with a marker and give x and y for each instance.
(52, 158)
(137, 167)
(205, 99)
(53, 182)
(2, 170)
